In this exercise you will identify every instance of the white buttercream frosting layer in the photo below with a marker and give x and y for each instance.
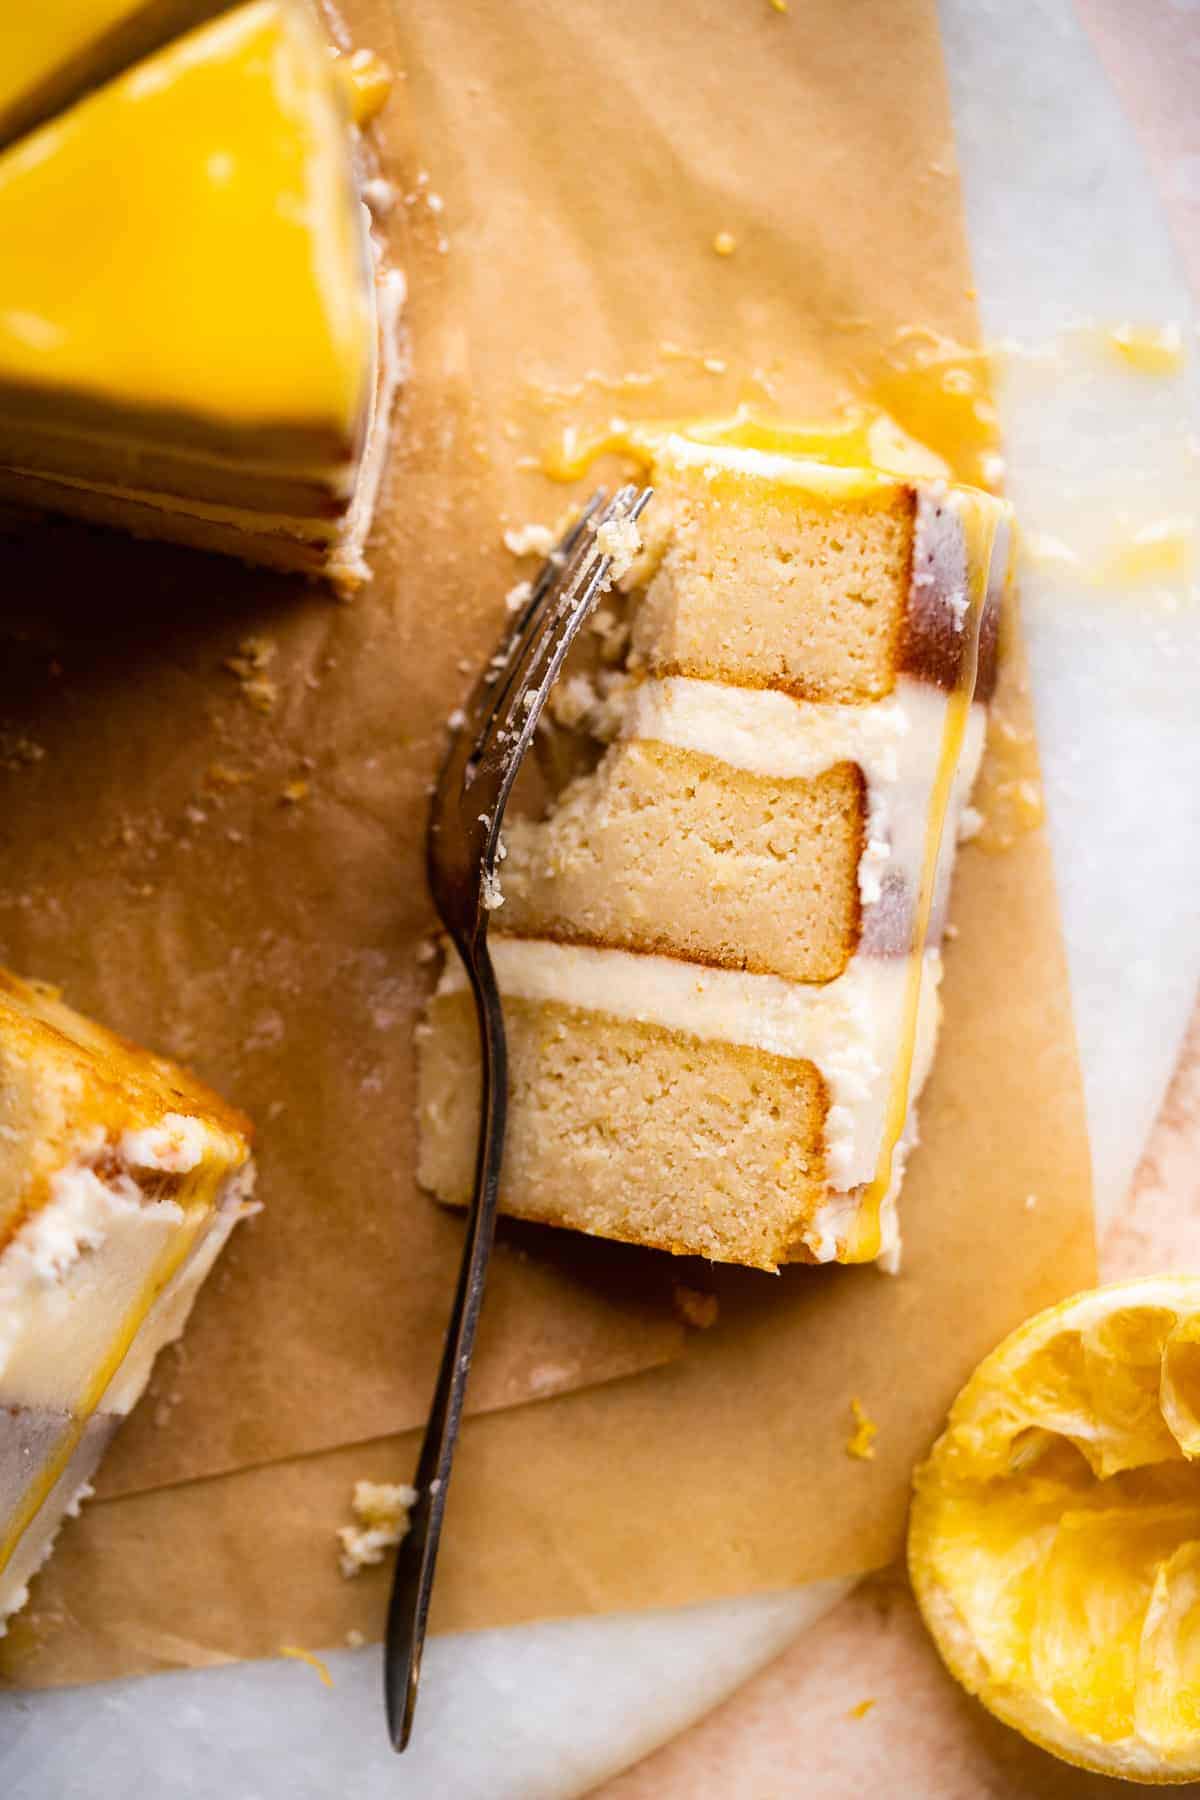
(848, 1028)
(68, 1275)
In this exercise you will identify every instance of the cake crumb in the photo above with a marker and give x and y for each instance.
(780, 6)
(220, 775)
(571, 700)
(517, 595)
(293, 792)
(1030, 1202)
(970, 824)
(379, 195)
(620, 539)
(861, 1710)
(299, 1654)
(254, 656)
(19, 752)
(861, 1442)
(529, 540)
(724, 243)
(381, 1508)
(695, 1307)
(491, 896)
(596, 707)
(355, 1639)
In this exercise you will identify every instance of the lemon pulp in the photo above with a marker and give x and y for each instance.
(1054, 1545)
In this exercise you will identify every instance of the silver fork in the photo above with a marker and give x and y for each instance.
(464, 855)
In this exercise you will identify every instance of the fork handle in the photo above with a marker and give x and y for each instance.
(416, 1558)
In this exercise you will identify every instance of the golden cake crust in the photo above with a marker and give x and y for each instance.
(62, 1077)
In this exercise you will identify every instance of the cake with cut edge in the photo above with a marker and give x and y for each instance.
(220, 368)
(121, 1178)
(720, 950)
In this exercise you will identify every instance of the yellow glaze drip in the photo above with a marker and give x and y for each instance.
(865, 1238)
(196, 1196)
(1159, 552)
(205, 204)
(367, 81)
(938, 393)
(1151, 350)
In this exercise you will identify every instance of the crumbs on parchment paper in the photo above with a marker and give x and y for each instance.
(695, 1307)
(529, 540)
(254, 656)
(381, 1509)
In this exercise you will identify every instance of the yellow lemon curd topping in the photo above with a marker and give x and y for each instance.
(1150, 350)
(186, 241)
(1054, 1545)
(860, 438)
(46, 45)
(924, 408)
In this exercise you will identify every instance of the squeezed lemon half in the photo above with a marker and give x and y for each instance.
(1054, 1541)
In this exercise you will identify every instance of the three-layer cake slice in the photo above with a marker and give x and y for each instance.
(719, 951)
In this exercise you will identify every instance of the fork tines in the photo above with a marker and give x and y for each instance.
(501, 717)
(524, 669)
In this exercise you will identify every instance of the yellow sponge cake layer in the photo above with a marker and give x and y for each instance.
(666, 849)
(766, 584)
(121, 1177)
(703, 1130)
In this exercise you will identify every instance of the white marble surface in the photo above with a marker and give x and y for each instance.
(1064, 227)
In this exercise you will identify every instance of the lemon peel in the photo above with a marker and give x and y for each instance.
(1054, 1540)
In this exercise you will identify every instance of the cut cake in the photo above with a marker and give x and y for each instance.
(719, 952)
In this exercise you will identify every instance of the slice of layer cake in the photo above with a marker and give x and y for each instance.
(53, 52)
(719, 952)
(197, 337)
(121, 1177)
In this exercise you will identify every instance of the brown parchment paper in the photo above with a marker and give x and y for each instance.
(564, 173)
(152, 862)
